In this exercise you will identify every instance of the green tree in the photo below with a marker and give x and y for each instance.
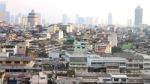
(116, 49)
(43, 54)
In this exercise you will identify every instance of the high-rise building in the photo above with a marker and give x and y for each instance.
(79, 20)
(89, 20)
(43, 22)
(109, 19)
(33, 19)
(7, 16)
(2, 11)
(82, 20)
(138, 16)
(12, 19)
(24, 21)
(129, 22)
(18, 19)
(96, 21)
(21, 20)
(65, 19)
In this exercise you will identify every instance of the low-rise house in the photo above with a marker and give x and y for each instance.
(10, 49)
(17, 64)
(78, 64)
(119, 79)
(103, 47)
(146, 64)
(81, 46)
(134, 65)
(40, 78)
(101, 78)
(104, 79)
(94, 78)
(111, 65)
(20, 48)
(68, 80)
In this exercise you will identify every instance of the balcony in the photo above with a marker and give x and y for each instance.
(78, 65)
(97, 65)
(135, 81)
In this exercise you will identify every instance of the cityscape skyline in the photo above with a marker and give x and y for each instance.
(53, 11)
(74, 42)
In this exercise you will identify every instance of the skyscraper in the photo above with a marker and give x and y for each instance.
(96, 21)
(89, 21)
(80, 20)
(109, 19)
(2, 11)
(77, 19)
(138, 16)
(12, 19)
(18, 19)
(7, 16)
(24, 21)
(65, 19)
(129, 22)
(33, 19)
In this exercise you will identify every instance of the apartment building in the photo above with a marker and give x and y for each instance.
(40, 78)
(113, 65)
(146, 64)
(78, 64)
(134, 65)
(128, 64)
(103, 47)
(101, 78)
(10, 49)
(17, 64)
(20, 48)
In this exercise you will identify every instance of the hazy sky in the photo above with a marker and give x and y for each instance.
(121, 10)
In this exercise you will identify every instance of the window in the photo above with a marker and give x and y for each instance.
(78, 47)
(82, 43)
(8, 62)
(141, 66)
(147, 60)
(11, 54)
(42, 77)
(83, 47)
(116, 79)
(129, 65)
(93, 63)
(9, 50)
(146, 64)
(135, 65)
(39, 60)
(25, 62)
(105, 80)
(74, 82)
(130, 60)
(17, 62)
(123, 80)
(122, 64)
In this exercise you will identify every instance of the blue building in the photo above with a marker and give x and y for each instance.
(2, 11)
(138, 16)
